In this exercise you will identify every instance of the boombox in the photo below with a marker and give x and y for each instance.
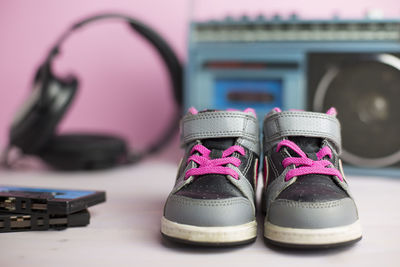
(353, 65)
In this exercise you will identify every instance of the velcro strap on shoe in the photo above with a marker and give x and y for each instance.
(220, 124)
(298, 123)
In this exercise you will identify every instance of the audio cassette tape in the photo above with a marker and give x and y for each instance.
(29, 200)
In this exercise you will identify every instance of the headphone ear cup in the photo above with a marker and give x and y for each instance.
(84, 152)
(37, 119)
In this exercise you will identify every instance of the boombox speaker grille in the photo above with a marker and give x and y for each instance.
(365, 89)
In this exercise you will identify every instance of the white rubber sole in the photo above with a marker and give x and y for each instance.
(325, 236)
(209, 235)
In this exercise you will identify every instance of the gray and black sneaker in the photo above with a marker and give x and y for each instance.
(306, 197)
(213, 200)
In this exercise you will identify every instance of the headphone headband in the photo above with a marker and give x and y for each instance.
(44, 75)
(56, 47)
(170, 59)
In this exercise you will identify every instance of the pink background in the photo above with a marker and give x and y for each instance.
(124, 88)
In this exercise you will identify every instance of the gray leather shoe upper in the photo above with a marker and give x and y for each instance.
(312, 215)
(209, 212)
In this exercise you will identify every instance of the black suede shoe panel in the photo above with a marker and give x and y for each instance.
(218, 144)
(307, 144)
(247, 166)
(211, 186)
(275, 167)
(313, 188)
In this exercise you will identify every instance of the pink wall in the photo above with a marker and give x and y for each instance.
(123, 86)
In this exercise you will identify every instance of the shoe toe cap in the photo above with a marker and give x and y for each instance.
(312, 215)
(209, 212)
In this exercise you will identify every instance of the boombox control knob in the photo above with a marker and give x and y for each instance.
(244, 18)
(229, 18)
(260, 18)
(294, 16)
(277, 17)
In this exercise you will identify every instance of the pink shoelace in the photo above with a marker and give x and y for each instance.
(305, 165)
(214, 166)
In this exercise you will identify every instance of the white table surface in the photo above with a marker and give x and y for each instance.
(125, 231)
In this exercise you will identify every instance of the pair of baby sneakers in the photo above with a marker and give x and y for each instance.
(305, 197)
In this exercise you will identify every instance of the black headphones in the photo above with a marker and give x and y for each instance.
(33, 130)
